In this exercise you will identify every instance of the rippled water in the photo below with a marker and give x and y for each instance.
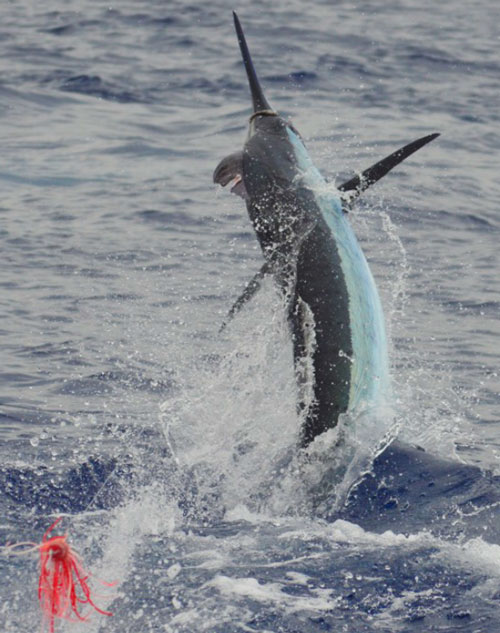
(168, 448)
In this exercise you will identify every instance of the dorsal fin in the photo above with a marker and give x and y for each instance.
(362, 181)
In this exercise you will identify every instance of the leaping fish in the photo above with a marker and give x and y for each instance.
(333, 307)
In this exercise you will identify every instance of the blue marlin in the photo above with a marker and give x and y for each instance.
(333, 307)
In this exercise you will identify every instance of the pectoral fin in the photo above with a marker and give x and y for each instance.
(354, 188)
(250, 290)
(231, 169)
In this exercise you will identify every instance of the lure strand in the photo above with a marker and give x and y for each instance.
(63, 582)
(61, 577)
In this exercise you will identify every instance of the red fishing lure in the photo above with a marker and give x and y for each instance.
(62, 586)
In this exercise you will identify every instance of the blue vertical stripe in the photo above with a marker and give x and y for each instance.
(370, 373)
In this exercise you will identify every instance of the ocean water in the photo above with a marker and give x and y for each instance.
(170, 449)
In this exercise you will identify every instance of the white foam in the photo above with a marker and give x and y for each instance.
(144, 515)
(272, 593)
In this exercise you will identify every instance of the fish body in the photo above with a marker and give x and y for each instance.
(301, 222)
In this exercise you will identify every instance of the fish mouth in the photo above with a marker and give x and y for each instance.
(262, 113)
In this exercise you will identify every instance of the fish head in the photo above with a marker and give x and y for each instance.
(268, 156)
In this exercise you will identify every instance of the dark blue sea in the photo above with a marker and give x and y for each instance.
(170, 449)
